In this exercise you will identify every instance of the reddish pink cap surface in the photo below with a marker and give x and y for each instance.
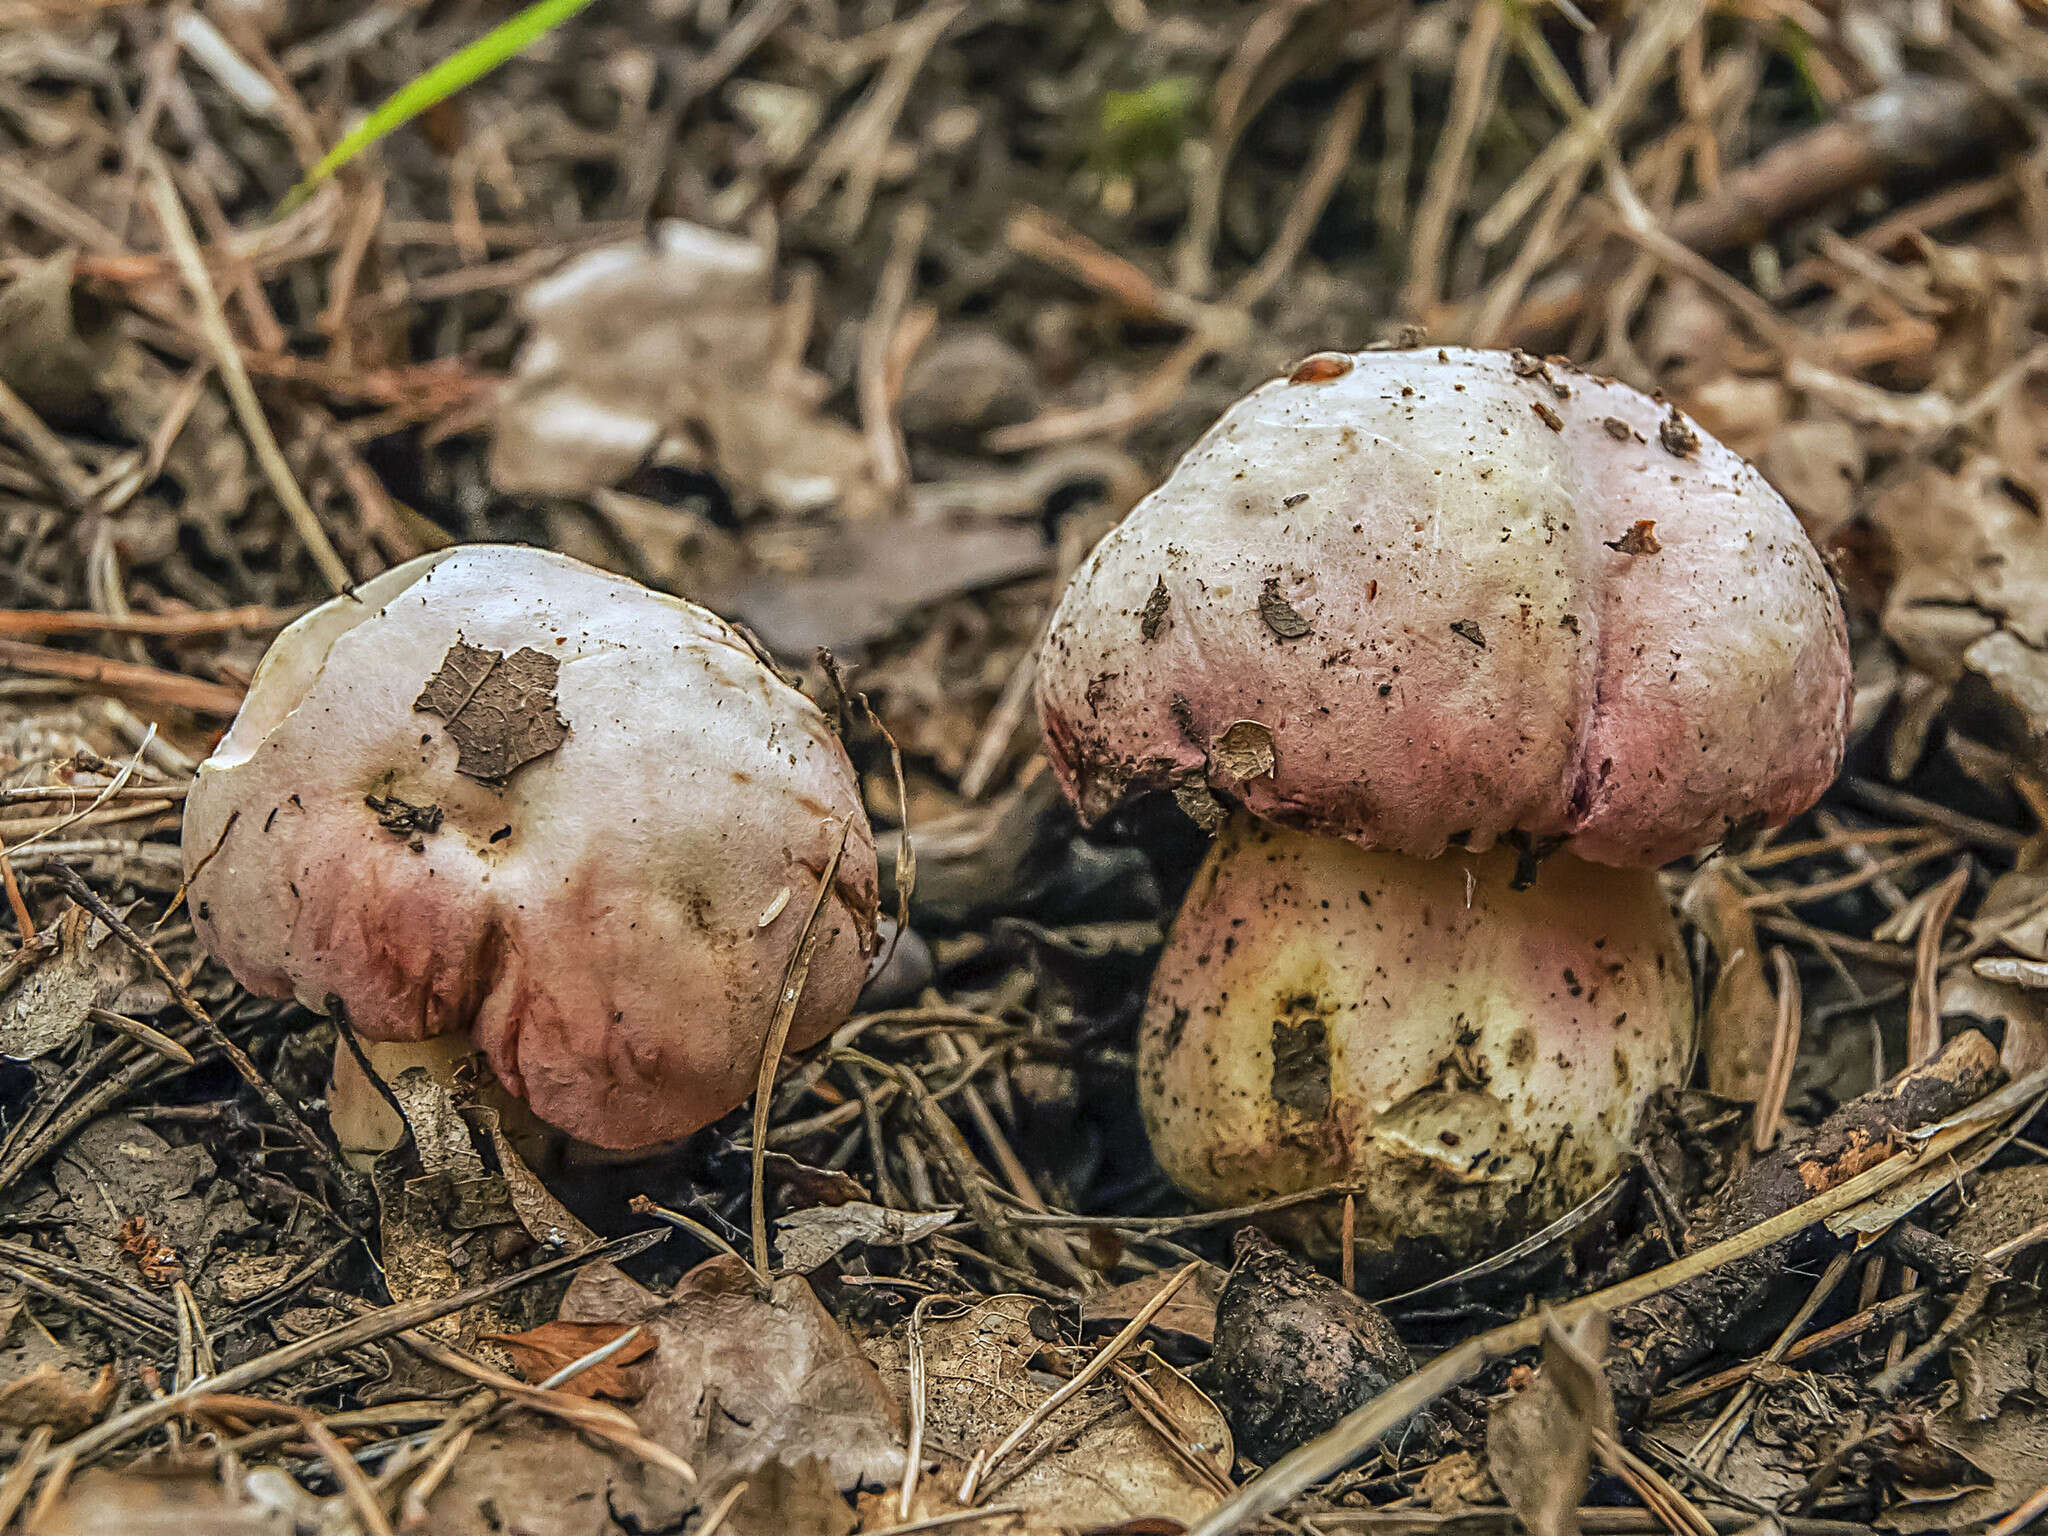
(1435, 595)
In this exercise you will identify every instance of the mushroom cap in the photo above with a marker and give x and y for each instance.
(1407, 598)
(610, 920)
(1475, 1057)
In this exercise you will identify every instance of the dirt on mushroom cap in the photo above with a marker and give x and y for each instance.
(1481, 635)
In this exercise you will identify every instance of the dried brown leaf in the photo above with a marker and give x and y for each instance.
(812, 1237)
(1741, 1016)
(73, 971)
(745, 1379)
(500, 709)
(541, 1477)
(184, 1501)
(540, 1352)
(51, 1395)
(1191, 1313)
(1539, 1443)
(1095, 1463)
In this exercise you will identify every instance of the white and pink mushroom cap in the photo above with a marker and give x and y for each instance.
(500, 792)
(1411, 598)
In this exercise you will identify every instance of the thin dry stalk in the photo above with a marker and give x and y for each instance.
(892, 293)
(21, 1477)
(1923, 1020)
(1770, 1106)
(150, 684)
(46, 450)
(1721, 1435)
(716, 1519)
(1473, 87)
(1332, 158)
(983, 1464)
(1567, 157)
(24, 923)
(355, 1487)
(1679, 1514)
(1158, 1414)
(913, 1458)
(227, 357)
(793, 980)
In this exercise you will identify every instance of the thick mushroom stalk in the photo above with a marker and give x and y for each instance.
(1474, 1057)
(499, 801)
(1428, 602)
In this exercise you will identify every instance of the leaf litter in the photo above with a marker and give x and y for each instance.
(748, 308)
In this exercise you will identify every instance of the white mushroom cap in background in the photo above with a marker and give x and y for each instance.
(1416, 597)
(1476, 1057)
(610, 915)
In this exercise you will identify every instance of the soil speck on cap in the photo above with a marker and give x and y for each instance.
(1279, 614)
(1640, 540)
(1153, 617)
(1677, 435)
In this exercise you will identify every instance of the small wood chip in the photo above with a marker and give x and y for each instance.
(1549, 417)
(1466, 629)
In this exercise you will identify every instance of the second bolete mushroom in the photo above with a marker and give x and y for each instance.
(498, 803)
(1425, 603)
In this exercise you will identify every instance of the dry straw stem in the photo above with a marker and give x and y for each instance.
(1568, 155)
(227, 357)
(35, 623)
(136, 679)
(1336, 1449)
(793, 980)
(368, 1329)
(345, 1178)
(1079, 1382)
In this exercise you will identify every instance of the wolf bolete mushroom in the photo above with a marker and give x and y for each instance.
(496, 801)
(1439, 625)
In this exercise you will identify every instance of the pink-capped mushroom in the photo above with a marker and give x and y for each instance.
(1426, 602)
(496, 803)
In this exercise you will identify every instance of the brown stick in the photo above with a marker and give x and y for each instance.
(1682, 1326)
(23, 622)
(127, 677)
(1915, 121)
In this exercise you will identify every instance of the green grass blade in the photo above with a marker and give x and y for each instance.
(459, 69)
